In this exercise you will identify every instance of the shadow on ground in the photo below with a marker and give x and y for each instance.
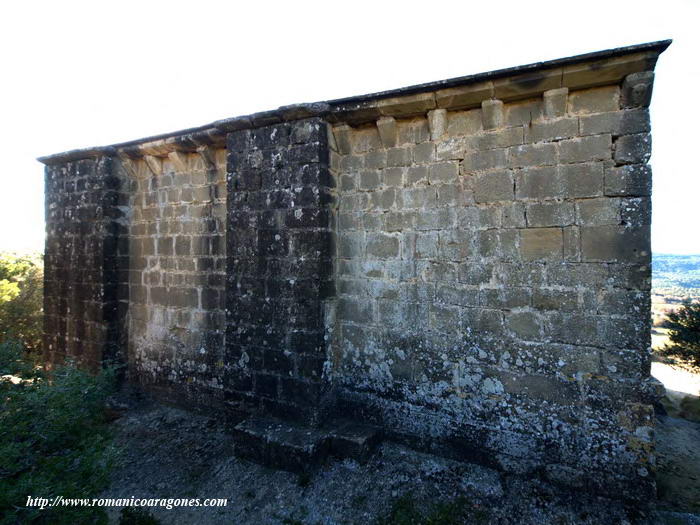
(170, 453)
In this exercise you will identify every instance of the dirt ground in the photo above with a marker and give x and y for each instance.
(170, 453)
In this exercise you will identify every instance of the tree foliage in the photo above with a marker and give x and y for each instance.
(21, 300)
(684, 334)
(54, 440)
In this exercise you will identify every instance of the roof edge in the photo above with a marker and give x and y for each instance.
(359, 108)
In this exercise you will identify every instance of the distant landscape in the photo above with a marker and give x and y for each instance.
(675, 279)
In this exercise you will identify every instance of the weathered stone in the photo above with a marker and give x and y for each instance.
(437, 122)
(637, 89)
(584, 149)
(630, 180)
(541, 243)
(464, 96)
(492, 114)
(633, 149)
(596, 212)
(532, 155)
(494, 186)
(387, 132)
(615, 243)
(582, 180)
(474, 273)
(552, 129)
(464, 122)
(555, 102)
(616, 122)
(550, 214)
(597, 100)
(485, 160)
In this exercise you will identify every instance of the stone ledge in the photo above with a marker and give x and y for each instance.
(297, 448)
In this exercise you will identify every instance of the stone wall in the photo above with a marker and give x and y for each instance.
(493, 280)
(177, 269)
(464, 264)
(84, 303)
(279, 267)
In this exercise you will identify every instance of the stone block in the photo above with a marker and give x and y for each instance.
(416, 175)
(437, 122)
(464, 123)
(413, 131)
(612, 243)
(355, 311)
(585, 149)
(424, 153)
(554, 299)
(494, 186)
(393, 177)
(399, 157)
(499, 138)
(444, 172)
(599, 211)
(382, 246)
(572, 243)
(513, 215)
(421, 197)
(444, 318)
(435, 219)
(407, 105)
(388, 132)
(349, 439)
(552, 129)
(523, 113)
(524, 325)
(464, 96)
(616, 122)
(538, 183)
(527, 85)
(492, 114)
(375, 160)
(427, 245)
(343, 134)
(532, 155)
(632, 180)
(485, 160)
(459, 295)
(544, 214)
(369, 180)
(581, 180)
(456, 245)
(555, 102)
(637, 89)
(475, 272)
(635, 211)
(596, 100)
(633, 149)
(504, 298)
(541, 243)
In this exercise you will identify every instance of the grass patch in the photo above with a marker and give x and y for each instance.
(407, 511)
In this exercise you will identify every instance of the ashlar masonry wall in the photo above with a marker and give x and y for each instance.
(465, 264)
(492, 270)
(177, 271)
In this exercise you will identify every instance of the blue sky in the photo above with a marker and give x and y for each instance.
(79, 74)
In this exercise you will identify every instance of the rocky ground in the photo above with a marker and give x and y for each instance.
(169, 453)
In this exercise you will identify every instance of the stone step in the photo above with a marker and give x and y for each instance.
(297, 448)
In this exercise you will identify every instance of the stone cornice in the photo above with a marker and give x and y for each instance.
(577, 72)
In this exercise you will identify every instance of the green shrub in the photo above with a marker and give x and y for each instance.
(21, 300)
(684, 334)
(53, 440)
